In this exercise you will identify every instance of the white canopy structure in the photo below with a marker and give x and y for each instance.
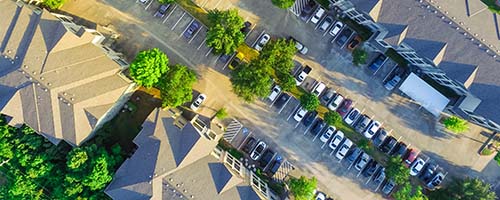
(418, 90)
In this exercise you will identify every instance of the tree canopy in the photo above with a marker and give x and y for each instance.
(148, 66)
(224, 34)
(397, 171)
(359, 56)
(251, 80)
(332, 118)
(309, 101)
(165, 1)
(283, 4)
(53, 4)
(303, 188)
(278, 54)
(408, 192)
(456, 124)
(465, 189)
(176, 86)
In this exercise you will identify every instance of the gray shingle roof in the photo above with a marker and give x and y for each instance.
(56, 73)
(432, 50)
(428, 26)
(395, 33)
(462, 73)
(371, 7)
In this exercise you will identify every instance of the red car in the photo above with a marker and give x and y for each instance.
(412, 155)
(345, 107)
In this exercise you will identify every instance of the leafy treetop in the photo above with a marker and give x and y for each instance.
(251, 80)
(224, 34)
(309, 101)
(283, 4)
(397, 171)
(332, 118)
(456, 124)
(148, 67)
(303, 188)
(469, 188)
(176, 86)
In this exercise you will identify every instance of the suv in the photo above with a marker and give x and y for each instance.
(388, 144)
(326, 23)
(262, 41)
(249, 145)
(436, 181)
(345, 107)
(412, 155)
(344, 149)
(400, 150)
(246, 28)
(318, 126)
(362, 123)
(388, 187)
(379, 137)
(336, 140)
(299, 115)
(365, 158)
(372, 129)
(370, 169)
(428, 172)
(336, 101)
(282, 100)
(342, 38)
(352, 157)
(274, 92)
(299, 46)
(162, 10)
(317, 15)
(380, 176)
(327, 134)
(310, 118)
(318, 89)
(325, 99)
(299, 79)
(417, 167)
(352, 116)
(257, 151)
(192, 29)
(308, 9)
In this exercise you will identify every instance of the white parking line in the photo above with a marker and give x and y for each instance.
(324, 144)
(208, 52)
(370, 178)
(297, 124)
(307, 129)
(149, 4)
(227, 63)
(204, 40)
(347, 41)
(189, 24)
(294, 110)
(378, 186)
(172, 11)
(178, 22)
(195, 34)
(217, 4)
(282, 107)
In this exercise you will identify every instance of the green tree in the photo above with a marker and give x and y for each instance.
(309, 101)
(77, 159)
(251, 80)
(303, 188)
(221, 113)
(53, 4)
(166, 1)
(465, 189)
(176, 86)
(224, 34)
(283, 4)
(456, 124)
(148, 66)
(332, 118)
(286, 81)
(407, 192)
(359, 56)
(397, 171)
(279, 54)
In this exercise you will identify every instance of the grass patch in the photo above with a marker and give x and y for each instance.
(492, 6)
(198, 12)
(364, 32)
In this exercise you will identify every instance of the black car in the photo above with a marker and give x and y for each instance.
(282, 100)
(309, 118)
(344, 35)
(318, 126)
(162, 10)
(249, 145)
(370, 169)
(246, 28)
(192, 29)
(266, 158)
(379, 176)
(400, 150)
(352, 157)
(379, 137)
(275, 165)
(428, 172)
(388, 144)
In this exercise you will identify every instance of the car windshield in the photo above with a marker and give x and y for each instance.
(260, 148)
(353, 115)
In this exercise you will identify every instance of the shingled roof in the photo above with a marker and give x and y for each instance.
(51, 74)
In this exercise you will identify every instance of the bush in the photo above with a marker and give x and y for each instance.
(332, 118)
(497, 158)
(456, 124)
(303, 188)
(359, 56)
(221, 113)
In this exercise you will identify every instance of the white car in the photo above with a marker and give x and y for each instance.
(344, 149)
(327, 134)
(318, 89)
(337, 138)
(417, 167)
(274, 93)
(299, 79)
(258, 150)
(336, 28)
(197, 103)
(335, 103)
(352, 116)
(392, 83)
(317, 16)
(301, 48)
(326, 23)
(320, 196)
(299, 115)
(263, 41)
(372, 129)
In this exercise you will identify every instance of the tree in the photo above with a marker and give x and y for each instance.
(456, 124)
(465, 189)
(53, 4)
(279, 54)
(251, 80)
(332, 118)
(176, 86)
(224, 34)
(309, 101)
(397, 171)
(283, 4)
(407, 192)
(359, 56)
(166, 1)
(303, 188)
(286, 81)
(77, 159)
(148, 66)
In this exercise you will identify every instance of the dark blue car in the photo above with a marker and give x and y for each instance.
(191, 29)
(377, 62)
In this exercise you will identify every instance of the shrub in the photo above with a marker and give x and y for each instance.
(221, 113)
(456, 124)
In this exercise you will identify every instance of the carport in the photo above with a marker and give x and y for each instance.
(424, 94)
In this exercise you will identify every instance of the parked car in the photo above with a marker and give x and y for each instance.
(365, 158)
(372, 129)
(144, 2)
(379, 137)
(377, 62)
(224, 58)
(274, 92)
(388, 187)
(428, 172)
(336, 28)
(249, 145)
(282, 100)
(162, 10)
(392, 83)
(307, 11)
(436, 181)
(337, 138)
(192, 29)
(327, 134)
(299, 115)
(317, 16)
(370, 169)
(417, 167)
(329, 94)
(246, 27)
(326, 23)
(262, 41)
(275, 165)
(354, 43)
(266, 158)
(320, 196)
(352, 116)
(310, 116)
(380, 176)
(257, 151)
(412, 155)
(355, 153)
(318, 89)
(363, 122)
(342, 38)
(299, 46)
(318, 126)
(400, 150)
(197, 103)
(345, 107)
(299, 79)
(388, 144)
(335, 103)
(344, 148)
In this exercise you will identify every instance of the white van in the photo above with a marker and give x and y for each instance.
(317, 16)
